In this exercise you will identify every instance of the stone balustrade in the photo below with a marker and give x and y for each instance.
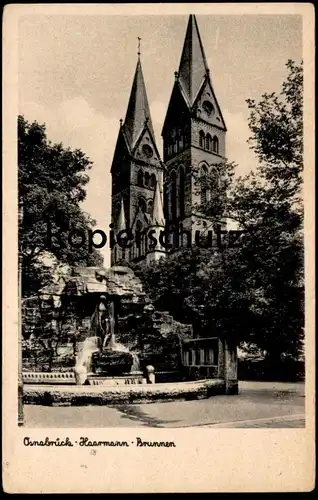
(48, 378)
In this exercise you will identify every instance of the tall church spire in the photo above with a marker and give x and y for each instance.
(193, 65)
(138, 111)
(136, 168)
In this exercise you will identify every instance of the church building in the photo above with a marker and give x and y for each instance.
(153, 194)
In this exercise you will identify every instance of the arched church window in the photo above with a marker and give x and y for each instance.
(142, 205)
(215, 144)
(152, 180)
(141, 245)
(208, 142)
(137, 243)
(202, 138)
(214, 183)
(149, 206)
(170, 146)
(166, 199)
(147, 177)
(186, 135)
(180, 140)
(140, 178)
(203, 181)
(173, 195)
(181, 191)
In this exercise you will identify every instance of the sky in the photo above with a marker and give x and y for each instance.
(76, 72)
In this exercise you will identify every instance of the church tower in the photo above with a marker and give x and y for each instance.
(193, 133)
(137, 179)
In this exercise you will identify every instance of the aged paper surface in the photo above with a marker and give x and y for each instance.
(204, 459)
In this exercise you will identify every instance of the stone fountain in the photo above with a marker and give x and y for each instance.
(102, 360)
(93, 303)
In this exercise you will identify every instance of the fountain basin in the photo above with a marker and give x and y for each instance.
(126, 394)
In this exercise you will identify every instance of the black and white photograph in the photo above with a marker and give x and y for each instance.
(161, 238)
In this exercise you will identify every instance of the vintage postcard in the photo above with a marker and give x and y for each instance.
(158, 318)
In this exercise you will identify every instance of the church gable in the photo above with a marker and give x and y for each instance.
(141, 221)
(207, 108)
(146, 149)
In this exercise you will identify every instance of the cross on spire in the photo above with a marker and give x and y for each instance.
(139, 39)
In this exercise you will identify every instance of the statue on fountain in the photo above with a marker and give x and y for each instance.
(113, 358)
(101, 323)
(104, 322)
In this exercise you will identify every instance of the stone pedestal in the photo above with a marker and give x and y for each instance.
(221, 360)
(227, 365)
(150, 374)
(112, 363)
(230, 367)
(80, 375)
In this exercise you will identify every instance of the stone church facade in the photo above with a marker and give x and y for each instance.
(149, 193)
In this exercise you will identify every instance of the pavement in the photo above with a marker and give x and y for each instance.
(258, 405)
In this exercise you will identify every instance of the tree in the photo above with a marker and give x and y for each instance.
(269, 203)
(51, 183)
(276, 123)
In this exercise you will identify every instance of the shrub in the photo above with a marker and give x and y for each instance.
(288, 370)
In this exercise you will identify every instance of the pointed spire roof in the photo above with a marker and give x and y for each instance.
(193, 65)
(157, 214)
(121, 222)
(138, 111)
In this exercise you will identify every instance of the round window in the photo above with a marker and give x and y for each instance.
(208, 107)
(147, 151)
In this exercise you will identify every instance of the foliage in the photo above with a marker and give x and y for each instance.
(51, 185)
(211, 188)
(288, 370)
(276, 123)
(269, 203)
(155, 336)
